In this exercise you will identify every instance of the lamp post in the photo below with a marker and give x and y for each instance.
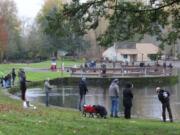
(115, 58)
(142, 55)
(174, 50)
(62, 68)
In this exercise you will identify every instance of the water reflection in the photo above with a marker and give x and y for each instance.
(145, 102)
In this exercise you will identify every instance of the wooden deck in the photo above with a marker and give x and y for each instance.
(122, 72)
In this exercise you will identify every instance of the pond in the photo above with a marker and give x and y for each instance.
(145, 102)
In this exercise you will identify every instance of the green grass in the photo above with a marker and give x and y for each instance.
(46, 64)
(14, 120)
(60, 121)
(36, 76)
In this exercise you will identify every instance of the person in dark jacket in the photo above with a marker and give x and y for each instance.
(23, 87)
(82, 92)
(13, 74)
(103, 70)
(164, 98)
(127, 100)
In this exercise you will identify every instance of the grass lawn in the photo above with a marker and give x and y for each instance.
(36, 76)
(46, 64)
(14, 120)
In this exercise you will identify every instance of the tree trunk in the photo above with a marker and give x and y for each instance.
(1, 56)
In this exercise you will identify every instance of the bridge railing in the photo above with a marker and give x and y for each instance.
(123, 71)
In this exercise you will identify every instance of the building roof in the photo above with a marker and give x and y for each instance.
(147, 48)
(125, 45)
(132, 48)
(127, 51)
(135, 48)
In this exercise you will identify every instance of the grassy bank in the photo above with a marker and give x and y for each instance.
(37, 76)
(58, 121)
(45, 64)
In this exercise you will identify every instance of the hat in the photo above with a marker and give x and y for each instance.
(116, 80)
(157, 89)
(83, 79)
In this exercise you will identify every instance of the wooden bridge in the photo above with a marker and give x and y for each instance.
(133, 71)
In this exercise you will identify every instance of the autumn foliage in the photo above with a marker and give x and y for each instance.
(3, 37)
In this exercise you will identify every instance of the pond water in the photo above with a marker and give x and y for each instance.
(145, 102)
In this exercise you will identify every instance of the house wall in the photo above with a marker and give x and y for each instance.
(144, 49)
(120, 57)
(110, 53)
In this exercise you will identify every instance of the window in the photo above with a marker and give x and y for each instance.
(125, 56)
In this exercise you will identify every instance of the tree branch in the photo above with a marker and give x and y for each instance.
(144, 10)
(86, 6)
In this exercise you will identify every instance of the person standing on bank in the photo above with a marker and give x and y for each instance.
(47, 88)
(127, 100)
(13, 74)
(114, 97)
(164, 98)
(82, 92)
(22, 79)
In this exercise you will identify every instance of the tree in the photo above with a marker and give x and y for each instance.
(60, 32)
(11, 26)
(155, 57)
(3, 39)
(128, 20)
(32, 43)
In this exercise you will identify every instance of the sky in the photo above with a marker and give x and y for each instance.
(28, 8)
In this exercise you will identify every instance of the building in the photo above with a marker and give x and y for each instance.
(130, 52)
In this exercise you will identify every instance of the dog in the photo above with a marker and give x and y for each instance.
(95, 110)
(100, 111)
